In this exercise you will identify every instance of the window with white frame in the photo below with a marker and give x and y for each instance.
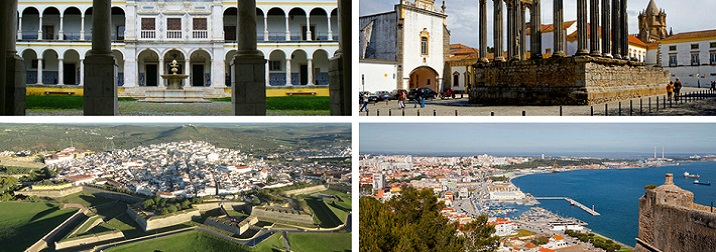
(695, 59)
(673, 60)
(712, 57)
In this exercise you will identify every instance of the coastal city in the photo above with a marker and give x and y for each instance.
(470, 186)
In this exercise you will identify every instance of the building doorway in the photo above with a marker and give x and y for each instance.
(304, 74)
(152, 75)
(197, 75)
(69, 73)
(424, 76)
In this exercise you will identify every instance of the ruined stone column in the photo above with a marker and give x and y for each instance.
(522, 35)
(13, 91)
(536, 36)
(594, 29)
(558, 29)
(616, 29)
(624, 30)
(499, 56)
(100, 90)
(582, 28)
(606, 29)
(339, 74)
(483, 32)
(248, 94)
(510, 29)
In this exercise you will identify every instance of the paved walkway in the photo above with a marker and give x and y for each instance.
(638, 107)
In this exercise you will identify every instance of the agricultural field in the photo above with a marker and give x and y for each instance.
(22, 224)
(310, 242)
(187, 241)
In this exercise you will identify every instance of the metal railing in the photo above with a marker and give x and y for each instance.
(174, 34)
(148, 34)
(200, 34)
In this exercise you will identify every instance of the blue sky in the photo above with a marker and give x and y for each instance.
(682, 15)
(537, 138)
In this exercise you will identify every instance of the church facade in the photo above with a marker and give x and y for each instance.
(296, 37)
(405, 48)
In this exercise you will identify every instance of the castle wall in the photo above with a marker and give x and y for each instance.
(156, 222)
(282, 215)
(52, 193)
(565, 81)
(307, 190)
(89, 239)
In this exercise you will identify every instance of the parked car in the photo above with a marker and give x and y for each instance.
(371, 97)
(383, 95)
(427, 93)
(395, 93)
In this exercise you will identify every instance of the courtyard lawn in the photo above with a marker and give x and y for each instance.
(73, 105)
(309, 242)
(22, 224)
(273, 243)
(187, 241)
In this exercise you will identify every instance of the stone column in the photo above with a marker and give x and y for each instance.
(39, 70)
(19, 28)
(13, 89)
(187, 71)
(308, 27)
(39, 29)
(160, 83)
(616, 29)
(510, 29)
(536, 36)
(624, 30)
(606, 29)
(330, 32)
(60, 68)
(266, 33)
(62, 27)
(100, 93)
(558, 29)
(82, 28)
(594, 29)
(248, 94)
(340, 86)
(267, 75)
(310, 72)
(288, 31)
(582, 28)
(483, 31)
(288, 72)
(82, 72)
(498, 34)
(523, 36)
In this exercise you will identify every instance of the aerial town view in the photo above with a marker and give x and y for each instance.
(536, 58)
(537, 187)
(175, 187)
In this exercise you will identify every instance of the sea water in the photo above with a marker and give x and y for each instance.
(614, 193)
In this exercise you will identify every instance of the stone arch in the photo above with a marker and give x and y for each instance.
(71, 68)
(50, 23)
(319, 23)
(229, 67)
(424, 76)
(299, 67)
(148, 67)
(277, 67)
(230, 23)
(29, 57)
(119, 58)
(276, 15)
(50, 66)
(200, 68)
(119, 21)
(297, 23)
(321, 63)
(72, 15)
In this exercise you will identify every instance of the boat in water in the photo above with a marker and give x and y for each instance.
(702, 183)
(687, 175)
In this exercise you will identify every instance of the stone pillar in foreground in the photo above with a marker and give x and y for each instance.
(624, 30)
(498, 35)
(558, 29)
(616, 29)
(4, 20)
(248, 94)
(536, 36)
(483, 31)
(594, 29)
(14, 74)
(582, 28)
(100, 90)
(606, 29)
(522, 35)
(340, 85)
(510, 29)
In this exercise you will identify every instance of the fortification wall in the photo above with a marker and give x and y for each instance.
(156, 222)
(307, 190)
(226, 224)
(290, 216)
(89, 239)
(206, 206)
(42, 243)
(52, 193)
(565, 81)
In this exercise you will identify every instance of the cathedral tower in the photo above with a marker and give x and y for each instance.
(652, 24)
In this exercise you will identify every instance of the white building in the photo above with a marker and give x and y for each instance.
(296, 37)
(691, 57)
(405, 48)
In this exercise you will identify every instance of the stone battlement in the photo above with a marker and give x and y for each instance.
(582, 80)
(669, 220)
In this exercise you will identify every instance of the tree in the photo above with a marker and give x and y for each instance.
(172, 208)
(479, 235)
(185, 204)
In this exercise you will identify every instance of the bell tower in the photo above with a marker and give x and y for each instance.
(652, 24)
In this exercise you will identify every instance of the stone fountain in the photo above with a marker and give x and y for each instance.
(175, 93)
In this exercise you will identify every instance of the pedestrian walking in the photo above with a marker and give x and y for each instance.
(713, 85)
(363, 99)
(401, 100)
(670, 89)
(422, 97)
(677, 89)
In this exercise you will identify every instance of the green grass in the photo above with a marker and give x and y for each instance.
(307, 242)
(187, 241)
(84, 199)
(273, 242)
(54, 102)
(22, 224)
(342, 215)
(323, 213)
(292, 102)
